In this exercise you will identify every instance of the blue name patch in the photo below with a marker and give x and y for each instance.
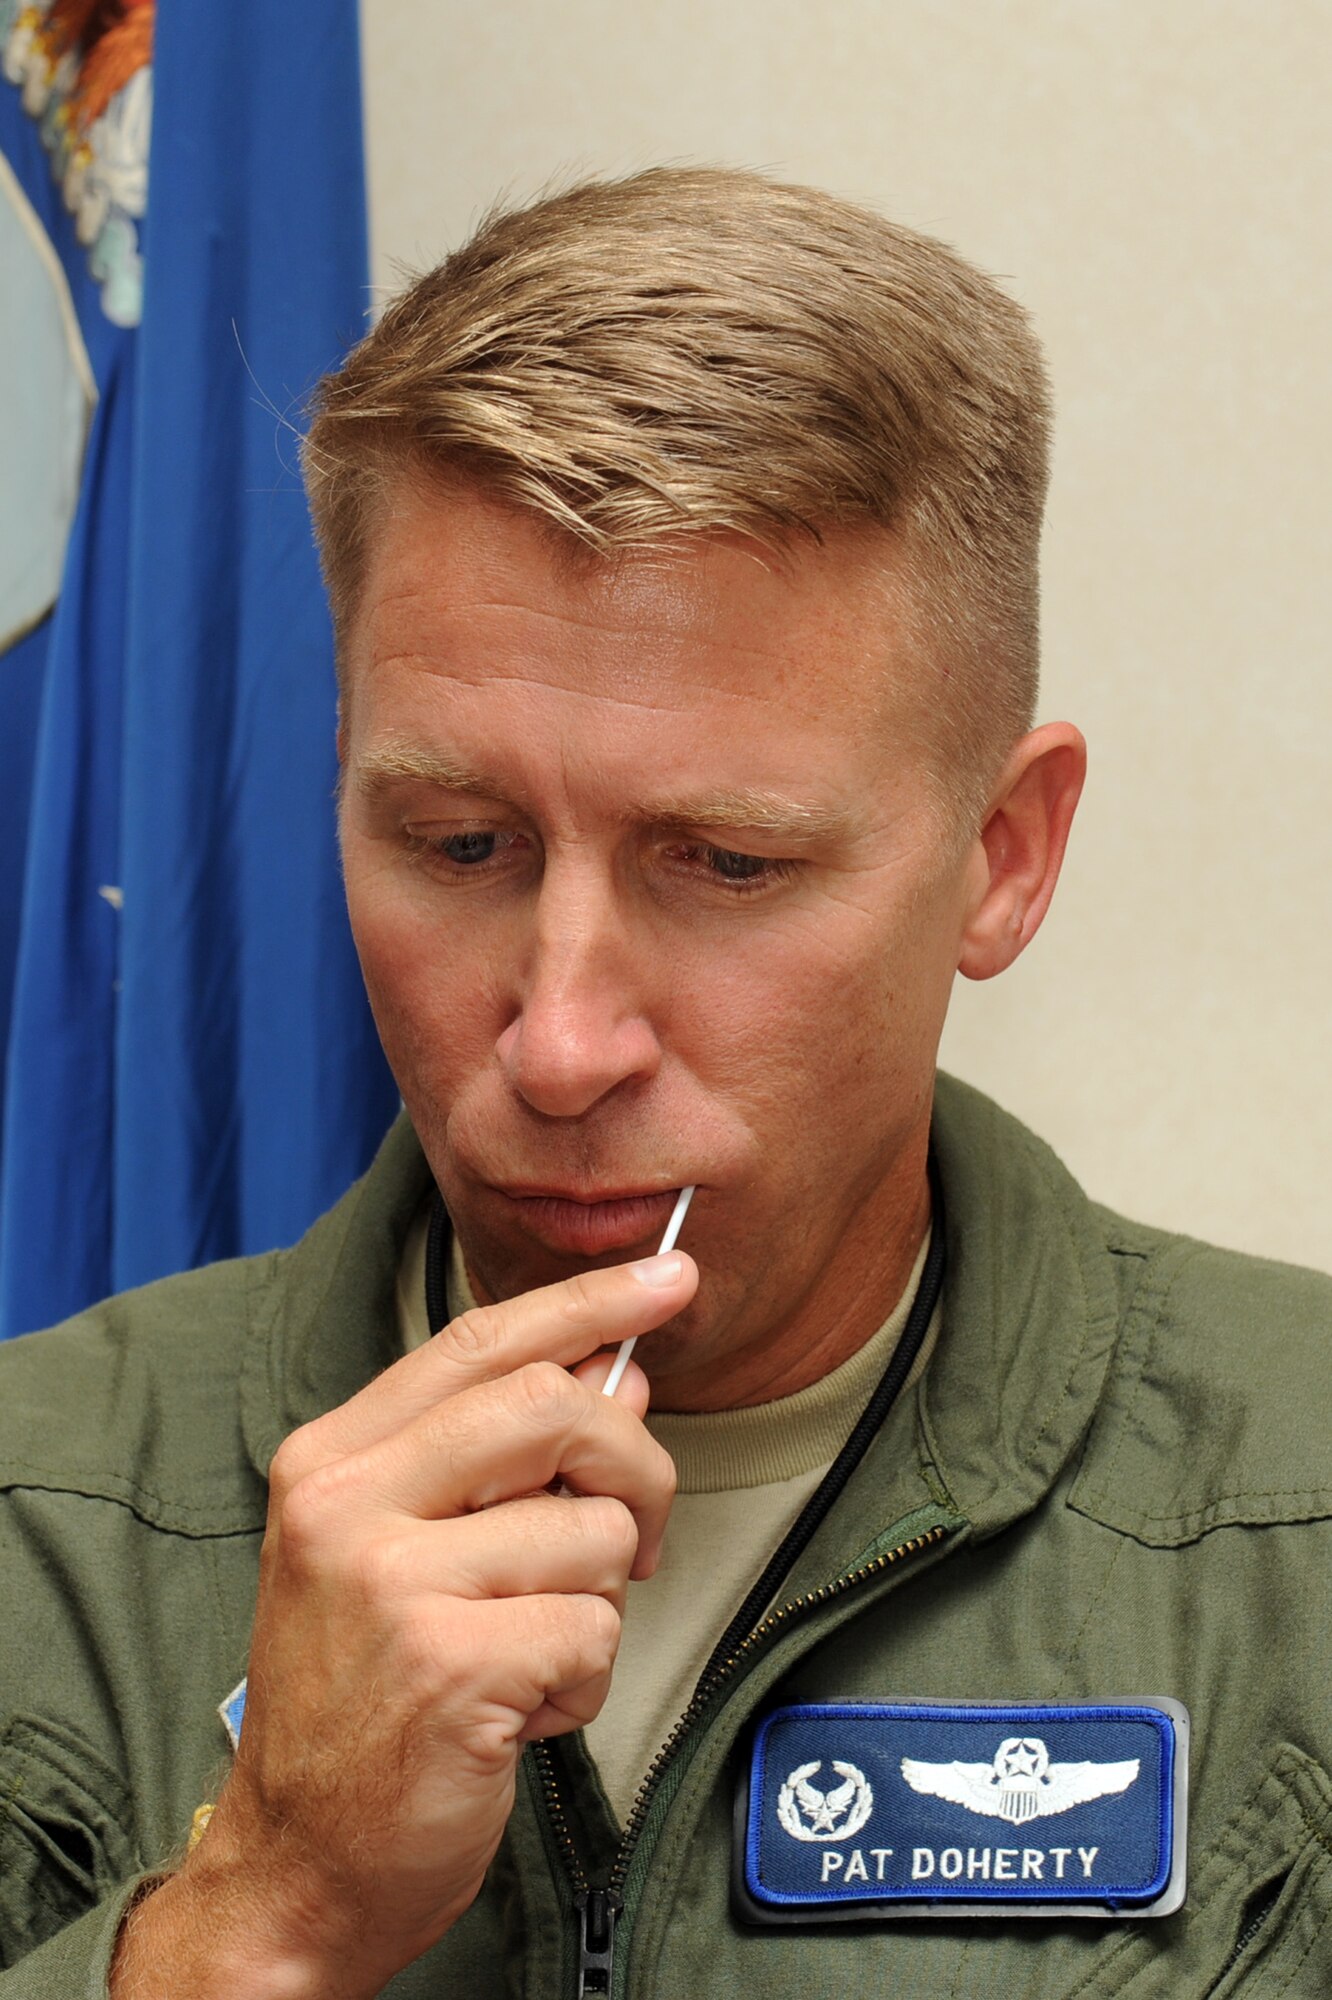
(896, 1809)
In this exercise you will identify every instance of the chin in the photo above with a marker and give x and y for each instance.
(683, 1349)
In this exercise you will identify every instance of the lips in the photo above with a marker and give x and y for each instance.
(588, 1198)
(577, 1226)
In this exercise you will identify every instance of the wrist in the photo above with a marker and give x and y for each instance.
(215, 1931)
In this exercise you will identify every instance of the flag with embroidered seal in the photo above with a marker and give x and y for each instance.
(191, 1070)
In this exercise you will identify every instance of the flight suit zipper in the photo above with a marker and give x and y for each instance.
(597, 1910)
(600, 1908)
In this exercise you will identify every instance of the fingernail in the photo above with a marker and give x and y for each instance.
(658, 1270)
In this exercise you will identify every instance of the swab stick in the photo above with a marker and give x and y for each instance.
(621, 1361)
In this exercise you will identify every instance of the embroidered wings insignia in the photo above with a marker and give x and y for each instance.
(1021, 1783)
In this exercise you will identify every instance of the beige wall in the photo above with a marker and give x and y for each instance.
(1154, 183)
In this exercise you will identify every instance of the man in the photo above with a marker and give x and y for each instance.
(681, 537)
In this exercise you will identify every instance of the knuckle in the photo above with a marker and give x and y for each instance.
(475, 1337)
(290, 1462)
(381, 1568)
(548, 1392)
(581, 1299)
(307, 1507)
(300, 1522)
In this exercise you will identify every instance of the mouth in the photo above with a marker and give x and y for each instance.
(577, 1226)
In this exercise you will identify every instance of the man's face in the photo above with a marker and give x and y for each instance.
(647, 890)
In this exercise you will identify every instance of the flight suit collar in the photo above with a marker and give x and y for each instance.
(328, 1326)
(1030, 1315)
(1031, 1312)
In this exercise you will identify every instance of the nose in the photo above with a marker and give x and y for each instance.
(578, 1029)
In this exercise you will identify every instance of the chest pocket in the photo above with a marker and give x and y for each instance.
(1258, 1921)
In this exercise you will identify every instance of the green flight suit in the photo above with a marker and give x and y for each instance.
(1115, 1479)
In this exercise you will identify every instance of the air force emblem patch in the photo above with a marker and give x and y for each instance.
(856, 1810)
(808, 1814)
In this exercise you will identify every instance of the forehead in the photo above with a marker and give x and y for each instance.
(475, 607)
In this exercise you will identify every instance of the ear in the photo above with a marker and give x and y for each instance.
(1020, 849)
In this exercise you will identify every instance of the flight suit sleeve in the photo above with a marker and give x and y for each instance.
(75, 1964)
(69, 1861)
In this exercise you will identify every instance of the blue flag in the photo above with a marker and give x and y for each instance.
(191, 1068)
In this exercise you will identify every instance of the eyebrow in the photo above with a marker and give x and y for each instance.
(740, 807)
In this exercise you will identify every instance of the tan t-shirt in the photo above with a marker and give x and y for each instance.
(744, 1476)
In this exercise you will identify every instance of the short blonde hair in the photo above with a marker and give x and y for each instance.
(689, 350)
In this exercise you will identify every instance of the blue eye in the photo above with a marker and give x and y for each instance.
(468, 848)
(454, 855)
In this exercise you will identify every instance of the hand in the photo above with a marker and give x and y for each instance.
(427, 1604)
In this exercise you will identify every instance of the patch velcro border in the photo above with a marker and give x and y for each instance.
(759, 1903)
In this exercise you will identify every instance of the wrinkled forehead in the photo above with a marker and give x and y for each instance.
(460, 583)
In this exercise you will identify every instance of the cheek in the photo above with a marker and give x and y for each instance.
(426, 974)
(851, 1005)
(795, 1019)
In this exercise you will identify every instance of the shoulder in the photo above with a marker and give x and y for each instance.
(171, 1399)
(1213, 1366)
(1215, 1408)
(138, 1400)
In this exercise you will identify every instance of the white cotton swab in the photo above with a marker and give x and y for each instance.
(673, 1227)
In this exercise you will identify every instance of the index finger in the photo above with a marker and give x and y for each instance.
(565, 1322)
